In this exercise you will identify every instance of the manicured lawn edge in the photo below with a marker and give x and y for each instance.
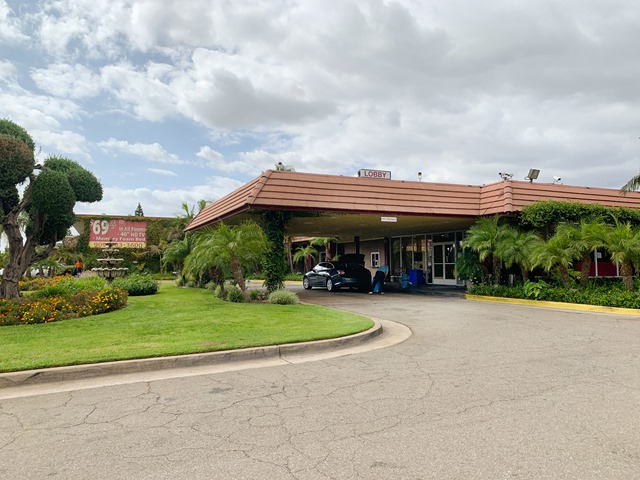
(544, 303)
(175, 321)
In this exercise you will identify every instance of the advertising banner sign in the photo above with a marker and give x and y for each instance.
(123, 233)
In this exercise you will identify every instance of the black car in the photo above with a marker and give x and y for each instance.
(348, 271)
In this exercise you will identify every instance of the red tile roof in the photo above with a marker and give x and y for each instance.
(296, 191)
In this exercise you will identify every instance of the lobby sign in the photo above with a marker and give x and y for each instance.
(384, 174)
(123, 233)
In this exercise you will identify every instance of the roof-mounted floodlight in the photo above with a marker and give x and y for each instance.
(533, 174)
(506, 176)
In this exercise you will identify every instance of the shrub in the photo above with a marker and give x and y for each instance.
(235, 295)
(211, 286)
(255, 295)
(283, 297)
(294, 277)
(66, 286)
(137, 284)
(609, 293)
(534, 289)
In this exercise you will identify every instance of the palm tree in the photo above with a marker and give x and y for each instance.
(176, 231)
(517, 247)
(557, 252)
(632, 185)
(585, 238)
(325, 242)
(176, 253)
(234, 247)
(307, 254)
(622, 242)
(484, 237)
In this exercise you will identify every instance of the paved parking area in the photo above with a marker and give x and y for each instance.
(479, 391)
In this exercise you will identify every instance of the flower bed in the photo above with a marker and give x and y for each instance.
(44, 309)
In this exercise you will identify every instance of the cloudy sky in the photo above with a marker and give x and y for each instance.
(171, 101)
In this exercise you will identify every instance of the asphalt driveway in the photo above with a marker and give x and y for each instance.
(479, 391)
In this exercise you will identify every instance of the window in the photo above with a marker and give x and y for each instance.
(375, 259)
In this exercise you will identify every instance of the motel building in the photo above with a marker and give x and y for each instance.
(413, 227)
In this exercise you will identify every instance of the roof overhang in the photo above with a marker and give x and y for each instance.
(344, 207)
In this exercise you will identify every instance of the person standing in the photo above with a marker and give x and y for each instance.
(378, 280)
(78, 268)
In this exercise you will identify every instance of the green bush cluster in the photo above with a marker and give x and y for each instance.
(283, 297)
(234, 295)
(137, 284)
(606, 293)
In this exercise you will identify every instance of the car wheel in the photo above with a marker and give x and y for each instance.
(330, 286)
(306, 284)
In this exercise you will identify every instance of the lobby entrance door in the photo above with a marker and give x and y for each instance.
(444, 263)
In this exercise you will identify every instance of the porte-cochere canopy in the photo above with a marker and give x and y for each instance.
(344, 207)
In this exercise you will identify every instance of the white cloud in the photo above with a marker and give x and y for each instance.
(151, 152)
(10, 27)
(8, 71)
(69, 81)
(455, 91)
(121, 201)
(160, 171)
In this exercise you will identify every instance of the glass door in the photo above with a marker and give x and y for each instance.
(444, 263)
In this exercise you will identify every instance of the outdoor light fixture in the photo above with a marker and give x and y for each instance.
(506, 176)
(533, 174)
(419, 176)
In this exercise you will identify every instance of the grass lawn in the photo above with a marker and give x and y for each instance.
(174, 321)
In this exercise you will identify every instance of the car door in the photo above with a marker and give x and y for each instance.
(320, 274)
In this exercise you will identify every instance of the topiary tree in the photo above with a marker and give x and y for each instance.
(47, 201)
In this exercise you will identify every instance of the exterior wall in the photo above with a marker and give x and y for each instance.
(366, 247)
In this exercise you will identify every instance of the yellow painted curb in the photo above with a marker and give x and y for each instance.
(566, 306)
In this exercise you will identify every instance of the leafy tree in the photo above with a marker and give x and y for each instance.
(139, 212)
(622, 242)
(47, 201)
(517, 247)
(307, 255)
(235, 247)
(484, 237)
(556, 253)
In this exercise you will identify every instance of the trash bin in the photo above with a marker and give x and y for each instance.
(404, 282)
(416, 277)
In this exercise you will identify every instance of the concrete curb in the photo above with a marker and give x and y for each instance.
(561, 305)
(78, 372)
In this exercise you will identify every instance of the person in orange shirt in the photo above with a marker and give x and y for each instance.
(78, 268)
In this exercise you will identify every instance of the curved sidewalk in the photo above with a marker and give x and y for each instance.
(383, 334)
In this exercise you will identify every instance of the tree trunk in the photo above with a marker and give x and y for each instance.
(20, 254)
(525, 274)
(236, 268)
(585, 268)
(626, 270)
(496, 270)
(564, 274)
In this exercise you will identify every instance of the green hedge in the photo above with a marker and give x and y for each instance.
(137, 284)
(606, 293)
